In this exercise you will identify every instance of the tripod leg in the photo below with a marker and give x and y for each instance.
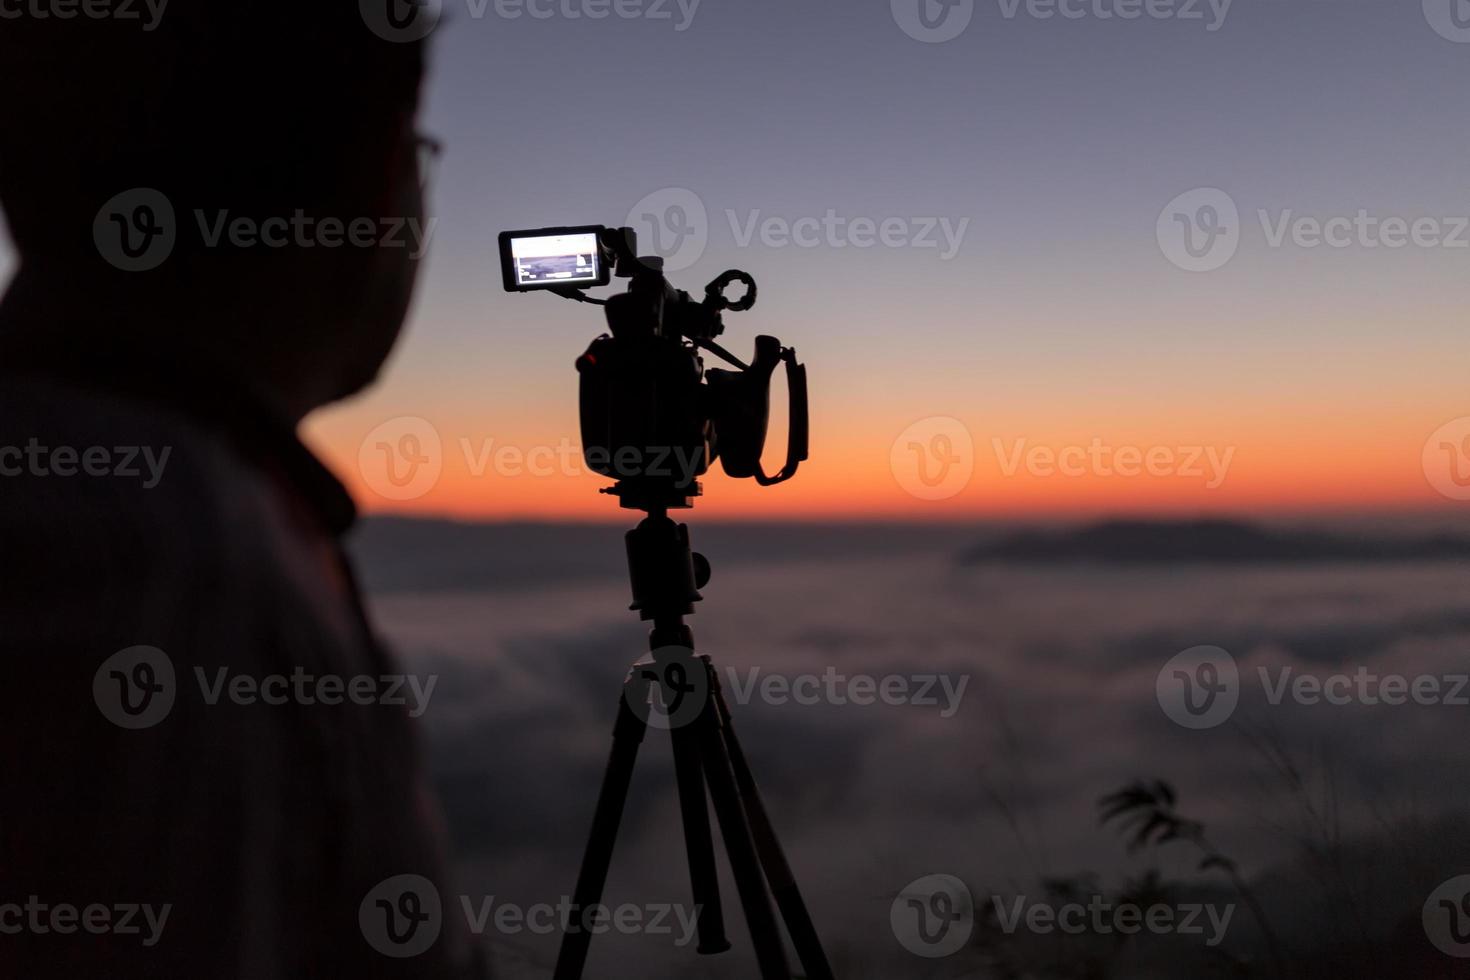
(703, 879)
(772, 857)
(672, 646)
(744, 863)
(628, 733)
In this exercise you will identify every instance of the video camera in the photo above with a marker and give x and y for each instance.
(652, 416)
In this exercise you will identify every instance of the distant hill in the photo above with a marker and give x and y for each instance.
(405, 554)
(1209, 541)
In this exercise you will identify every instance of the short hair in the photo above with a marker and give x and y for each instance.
(252, 106)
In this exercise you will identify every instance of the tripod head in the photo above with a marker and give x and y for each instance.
(652, 416)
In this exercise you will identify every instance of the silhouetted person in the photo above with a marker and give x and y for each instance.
(156, 818)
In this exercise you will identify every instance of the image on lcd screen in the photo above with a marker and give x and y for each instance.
(555, 259)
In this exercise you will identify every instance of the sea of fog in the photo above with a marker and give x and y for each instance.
(1009, 699)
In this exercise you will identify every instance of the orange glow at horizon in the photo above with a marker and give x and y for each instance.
(1268, 468)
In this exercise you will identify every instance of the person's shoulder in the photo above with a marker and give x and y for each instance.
(123, 524)
(79, 464)
(118, 502)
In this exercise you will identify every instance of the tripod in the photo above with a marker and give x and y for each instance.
(666, 577)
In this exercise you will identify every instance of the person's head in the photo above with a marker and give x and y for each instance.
(280, 137)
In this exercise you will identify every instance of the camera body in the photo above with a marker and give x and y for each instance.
(653, 418)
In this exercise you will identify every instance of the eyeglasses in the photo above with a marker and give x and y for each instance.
(427, 151)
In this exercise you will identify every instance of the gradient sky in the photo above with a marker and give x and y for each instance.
(1059, 321)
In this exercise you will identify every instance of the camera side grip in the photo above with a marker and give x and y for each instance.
(742, 408)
